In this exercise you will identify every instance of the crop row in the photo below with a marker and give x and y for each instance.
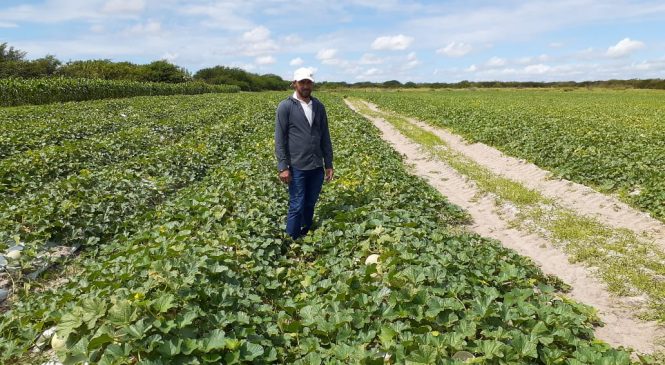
(203, 279)
(611, 140)
(28, 171)
(15, 92)
(94, 205)
(35, 127)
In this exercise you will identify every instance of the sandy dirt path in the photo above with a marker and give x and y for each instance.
(620, 329)
(577, 197)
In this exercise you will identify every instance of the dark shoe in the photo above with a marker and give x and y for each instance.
(287, 241)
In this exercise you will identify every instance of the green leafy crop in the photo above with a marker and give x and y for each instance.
(612, 140)
(200, 278)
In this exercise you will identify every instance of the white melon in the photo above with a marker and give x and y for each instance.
(372, 259)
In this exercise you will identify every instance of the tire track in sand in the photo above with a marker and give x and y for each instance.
(577, 197)
(620, 329)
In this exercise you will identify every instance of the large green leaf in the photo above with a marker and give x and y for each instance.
(164, 302)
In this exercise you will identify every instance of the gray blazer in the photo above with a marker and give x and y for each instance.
(296, 143)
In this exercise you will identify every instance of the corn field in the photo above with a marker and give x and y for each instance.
(15, 92)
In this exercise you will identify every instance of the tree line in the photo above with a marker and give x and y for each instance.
(394, 84)
(13, 63)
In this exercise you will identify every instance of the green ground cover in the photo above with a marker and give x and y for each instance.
(132, 134)
(200, 278)
(628, 264)
(93, 204)
(608, 139)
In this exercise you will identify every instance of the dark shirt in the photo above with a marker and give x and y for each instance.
(296, 143)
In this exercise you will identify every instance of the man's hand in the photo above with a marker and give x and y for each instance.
(329, 174)
(285, 176)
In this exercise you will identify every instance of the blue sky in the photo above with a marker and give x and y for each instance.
(355, 40)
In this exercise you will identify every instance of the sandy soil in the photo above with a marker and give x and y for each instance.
(620, 329)
(577, 197)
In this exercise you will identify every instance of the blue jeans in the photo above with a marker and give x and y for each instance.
(304, 190)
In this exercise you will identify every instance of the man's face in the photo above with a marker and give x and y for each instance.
(304, 88)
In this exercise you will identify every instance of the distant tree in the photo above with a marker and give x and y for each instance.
(247, 81)
(365, 84)
(14, 64)
(392, 84)
(331, 85)
(273, 82)
(157, 71)
(463, 84)
(45, 66)
(101, 69)
(9, 54)
(164, 71)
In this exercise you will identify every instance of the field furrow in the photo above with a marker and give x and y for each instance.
(202, 279)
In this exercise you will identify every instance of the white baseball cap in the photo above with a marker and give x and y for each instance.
(302, 74)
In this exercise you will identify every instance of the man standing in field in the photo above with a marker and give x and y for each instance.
(303, 148)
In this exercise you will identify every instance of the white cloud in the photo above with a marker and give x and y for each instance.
(292, 40)
(97, 28)
(455, 49)
(123, 6)
(388, 5)
(149, 27)
(247, 66)
(411, 61)
(394, 43)
(369, 73)
(370, 59)
(244, 66)
(257, 34)
(353, 69)
(81, 48)
(242, 34)
(528, 60)
(335, 62)
(624, 48)
(255, 49)
(265, 60)
(296, 62)
(171, 57)
(654, 66)
(257, 42)
(491, 22)
(222, 14)
(53, 11)
(538, 69)
(326, 54)
(588, 54)
(496, 62)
